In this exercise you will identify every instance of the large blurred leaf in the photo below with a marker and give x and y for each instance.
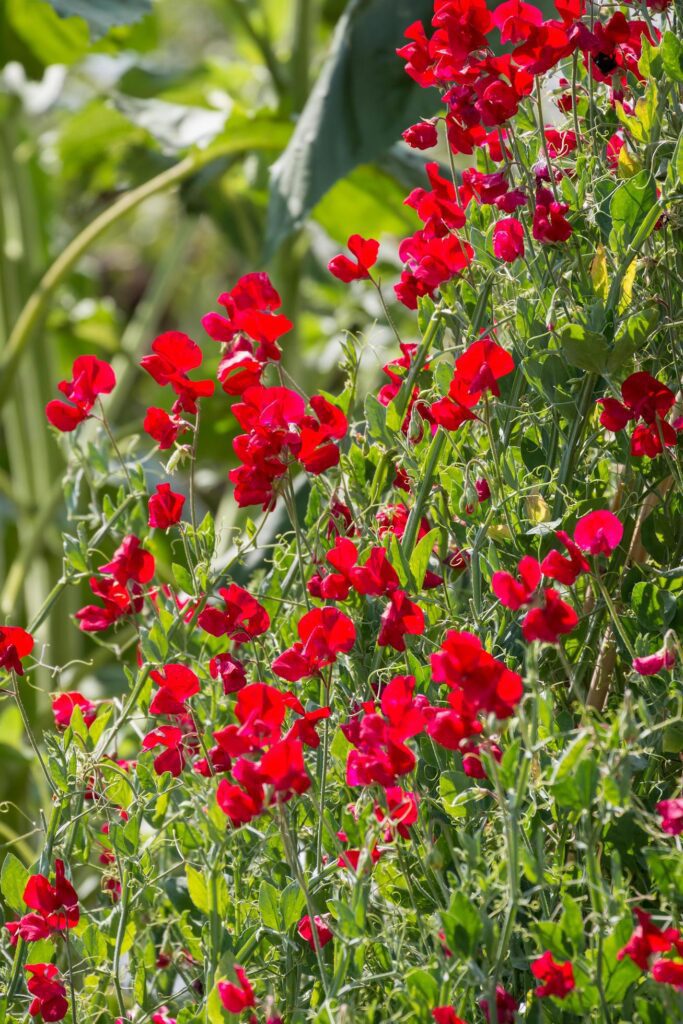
(101, 15)
(361, 102)
(34, 35)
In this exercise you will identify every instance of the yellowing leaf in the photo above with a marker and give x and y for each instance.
(536, 509)
(627, 163)
(627, 286)
(599, 275)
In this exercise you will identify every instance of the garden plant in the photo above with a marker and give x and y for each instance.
(400, 738)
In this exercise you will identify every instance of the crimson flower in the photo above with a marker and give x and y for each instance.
(365, 250)
(131, 563)
(644, 397)
(486, 683)
(599, 532)
(668, 972)
(557, 978)
(63, 705)
(506, 1006)
(671, 813)
(550, 224)
(237, 804)
(515, 593)
(15, 645)
(549, 621)
(323, 930)
(508, 239)
(173, 354)
(400, 815)
(324, 633)
(238, 996)
(482, 365)
(118, 602)
(241, 619)
(165, 507)
(422, 135)
(90, 377)
(55, 907)
(400, 617)
(172, 757)
(446, 1015)
(230, 671)
(565, 570)
(48, 991)
(177, 683)
(250, 314)
(647, 941)
(162, 427)
(515, 20)
(652, 664)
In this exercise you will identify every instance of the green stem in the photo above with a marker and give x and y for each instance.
(413, 524)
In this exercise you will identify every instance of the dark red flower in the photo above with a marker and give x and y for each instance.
(400, 617)
(506, 1006)
(236, 996)
(668, 972)
(63, 705)
(91, 377)
(515, 20)
(323, 930)
(557, 978)
(173, 354)
(177, 683)
(15, 645)
(324, 633)
(165, 507)
(230, 671)
(516, 593)
(365, 250)
(549, 621)
(56, 906)
(508, 239)
(172, 757)
(671, 813)
(565, 570)
(485, 683)
(250, 314)
(162, 427)
(241, 619)
(422, 135)
(48, 991)
(238, 804)
(401, 812)
(131, 563)
(118, 602)
(446, 1015)
(647, 941)
(550, 224)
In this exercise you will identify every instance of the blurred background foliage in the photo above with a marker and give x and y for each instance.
(281, 120)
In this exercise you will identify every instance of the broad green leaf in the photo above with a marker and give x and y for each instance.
(358, 107)
(101, 15)
(420, 556)
(292, 904)
(463, 925)
(269, 905)
(655, 608)
(671, 51)
(13, 879)
(631, 202)
(196, 887)
(584, 348)
(48, 38)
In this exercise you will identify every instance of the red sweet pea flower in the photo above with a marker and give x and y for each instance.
(419, 63)
(230, 671)
(118, 603)
(177, 683)
(237, 804)
(560, 143)
(402, 813)
(173, 355)
(644, 397)
(242, 620)
(90, 377)
(401, 616)
(671, 813)
(653, 664)
(172, 758)
(516, 593)
(165, 507)
(48, 991)
(55, 906)
(545, 45)
(421, 136)
(15, 645)
(430, 262)
(598, 533)
(565, 570)
(550, 224)
(324, 633)
(557, 978)
(250, 313)
(365, 250)
(515, 19)
(438, 208)
(323, 930)
(63, 705)
(162, 428)
(131, 563)
(668, 972)
(394, 519)
(506, 1006)
(239, 996)
(482, 365)
(446, 1015)
(486, 684)
(647, 941)
(550, 621)
(508, 239)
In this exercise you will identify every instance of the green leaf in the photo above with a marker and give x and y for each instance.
(631, 202)
(196, 887)
(419, 559)
(292, 903)
(13, 879)
(49, 39)
(671, 51)
(463, 925)
(358, 107)
(655, 608)
(269, 905)
(101, 15)
(583, 348)
(183, 578)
